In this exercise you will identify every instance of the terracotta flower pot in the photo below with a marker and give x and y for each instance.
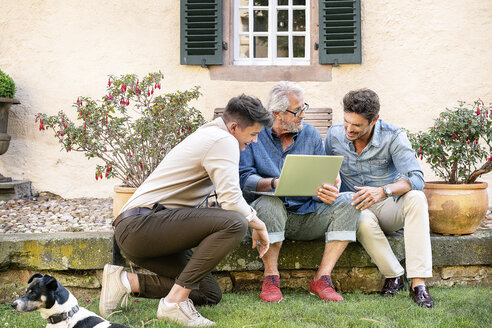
(456, 209)
(121, 196)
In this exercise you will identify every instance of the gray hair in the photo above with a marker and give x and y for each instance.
(278, 98)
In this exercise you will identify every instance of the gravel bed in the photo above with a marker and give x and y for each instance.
(51, 213)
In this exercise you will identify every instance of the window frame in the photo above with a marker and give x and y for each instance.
(256, 73)
(272, 33)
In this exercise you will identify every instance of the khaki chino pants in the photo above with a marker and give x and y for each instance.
(410, 213)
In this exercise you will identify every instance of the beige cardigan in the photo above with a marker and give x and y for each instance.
(206, 159)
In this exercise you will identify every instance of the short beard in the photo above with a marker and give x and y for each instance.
(292, 127)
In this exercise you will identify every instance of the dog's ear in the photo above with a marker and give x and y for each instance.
(49, 282)
(36, 275)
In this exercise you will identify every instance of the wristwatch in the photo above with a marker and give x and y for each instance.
(387, 191)
(272, 183)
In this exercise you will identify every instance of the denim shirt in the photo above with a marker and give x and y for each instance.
(387, 158)
(265, 159)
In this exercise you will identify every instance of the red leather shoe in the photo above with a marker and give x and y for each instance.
(325, 289)
(270, 290)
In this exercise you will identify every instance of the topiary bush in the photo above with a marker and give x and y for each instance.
(7, 86)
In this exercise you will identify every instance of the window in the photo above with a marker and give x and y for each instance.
(271, 32)
(270, 40)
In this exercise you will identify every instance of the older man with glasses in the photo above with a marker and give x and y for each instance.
(328, 216)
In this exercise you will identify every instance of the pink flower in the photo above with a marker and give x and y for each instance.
(109, 82)
(87, 300)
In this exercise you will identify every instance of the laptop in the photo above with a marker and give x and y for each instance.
(302, 175)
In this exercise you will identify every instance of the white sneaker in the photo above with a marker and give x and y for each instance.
(183, 313)
(112, 290)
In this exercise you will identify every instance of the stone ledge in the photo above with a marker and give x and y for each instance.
(77, 259)
(471, 249)
(91, 250)
(56, 251)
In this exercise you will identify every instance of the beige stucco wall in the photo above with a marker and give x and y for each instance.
(420, 56)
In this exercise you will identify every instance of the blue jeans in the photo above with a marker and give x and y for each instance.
(335, 221)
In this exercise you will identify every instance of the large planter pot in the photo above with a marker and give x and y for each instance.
(456, 209)
(121, 196)
(5, 104)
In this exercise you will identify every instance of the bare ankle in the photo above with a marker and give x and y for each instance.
(418, 282)
(134, 284)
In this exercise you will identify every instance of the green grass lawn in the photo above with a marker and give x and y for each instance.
(455, 307)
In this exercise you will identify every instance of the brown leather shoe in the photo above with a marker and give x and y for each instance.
(421, 296)
(392, 286)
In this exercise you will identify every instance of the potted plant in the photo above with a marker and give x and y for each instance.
(130, 129)
(458, 149)
(7, 93)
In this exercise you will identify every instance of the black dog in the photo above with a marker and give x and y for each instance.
(57, 305)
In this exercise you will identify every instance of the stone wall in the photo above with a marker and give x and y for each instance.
(77, 259)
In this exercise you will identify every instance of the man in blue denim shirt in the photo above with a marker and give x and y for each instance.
(329, 216)
(380, 166)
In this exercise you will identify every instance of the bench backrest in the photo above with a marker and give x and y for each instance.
(320, 118)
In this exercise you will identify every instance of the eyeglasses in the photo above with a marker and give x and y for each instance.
(303, 109)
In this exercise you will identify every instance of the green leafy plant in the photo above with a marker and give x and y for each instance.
(7, 86)
(459, 141)
(131, 129)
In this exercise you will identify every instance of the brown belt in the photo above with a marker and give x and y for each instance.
(130, 212)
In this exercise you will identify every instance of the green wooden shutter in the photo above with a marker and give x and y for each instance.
(201, 32)
(339, 32)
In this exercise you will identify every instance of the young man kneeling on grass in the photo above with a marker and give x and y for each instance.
(160, 224)
(329, 216)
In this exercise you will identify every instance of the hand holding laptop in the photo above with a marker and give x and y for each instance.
(328, 193)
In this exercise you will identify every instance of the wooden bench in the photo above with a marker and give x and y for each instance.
(320, 118)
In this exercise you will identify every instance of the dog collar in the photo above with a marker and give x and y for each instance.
(56, 318)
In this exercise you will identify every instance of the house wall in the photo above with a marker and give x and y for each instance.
(420, 57)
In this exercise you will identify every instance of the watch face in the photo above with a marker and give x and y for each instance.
(387, 191)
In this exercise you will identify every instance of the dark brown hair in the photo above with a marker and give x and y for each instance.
(246, 111)
(363, 101)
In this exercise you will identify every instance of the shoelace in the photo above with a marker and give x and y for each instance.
(125, 300)
(327, 281)
(190, 309)
(271, 281)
